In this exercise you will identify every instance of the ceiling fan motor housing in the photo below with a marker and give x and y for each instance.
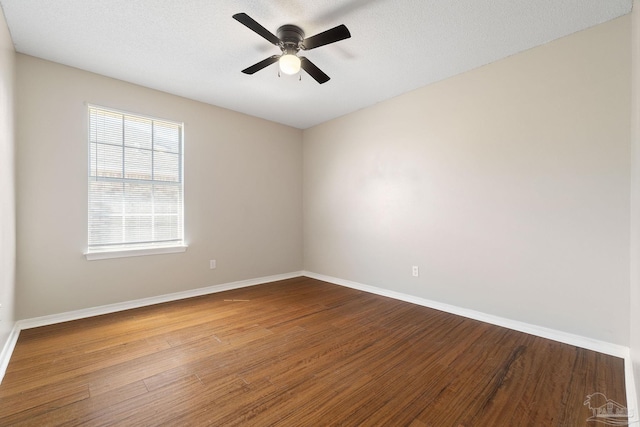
(291, 37)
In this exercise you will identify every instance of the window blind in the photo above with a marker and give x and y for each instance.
(135, 181)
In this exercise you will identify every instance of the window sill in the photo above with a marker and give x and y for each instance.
(125, 253)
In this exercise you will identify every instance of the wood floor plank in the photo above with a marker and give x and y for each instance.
(298, 352)
(83, 411)
(26, 406)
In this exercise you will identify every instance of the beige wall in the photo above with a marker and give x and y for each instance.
(7, 183)
(243, 195)
(507, 185)
(635, 212)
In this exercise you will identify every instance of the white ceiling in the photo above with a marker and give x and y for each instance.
(195, 49)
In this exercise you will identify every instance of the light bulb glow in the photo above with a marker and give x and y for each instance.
(289, 64)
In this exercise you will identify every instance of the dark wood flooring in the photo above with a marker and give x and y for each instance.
(299, 352)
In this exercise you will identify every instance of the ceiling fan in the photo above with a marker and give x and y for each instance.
(290, 40)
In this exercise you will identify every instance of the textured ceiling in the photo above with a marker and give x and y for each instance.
(195, 49)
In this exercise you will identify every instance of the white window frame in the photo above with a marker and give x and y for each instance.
(137, 249)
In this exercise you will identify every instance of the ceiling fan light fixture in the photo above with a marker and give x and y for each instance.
(289, 64)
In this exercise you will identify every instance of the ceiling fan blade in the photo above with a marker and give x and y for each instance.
(251, 24)
(313, 71)
(332, 35)
(262, 64)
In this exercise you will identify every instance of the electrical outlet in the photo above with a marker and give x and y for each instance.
(415, 271)
(212, 264)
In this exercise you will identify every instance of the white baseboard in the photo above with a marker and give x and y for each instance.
(632, 397)
(7, 349)
(540, 331)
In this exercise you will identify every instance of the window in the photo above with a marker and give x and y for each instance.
(135, 185)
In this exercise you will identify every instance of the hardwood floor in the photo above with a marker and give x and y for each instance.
(299, 352)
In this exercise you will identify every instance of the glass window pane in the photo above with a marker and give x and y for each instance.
(138, 229)
(106, 127)
(108, 161)
(138, 132)
(137, 164)
(167, 199)
(166, 166)
(93, 157)
(166, 137)
(105, 198)
(105, 230)
(167, 227)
